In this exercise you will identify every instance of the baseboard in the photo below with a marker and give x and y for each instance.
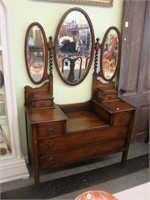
(13, 170)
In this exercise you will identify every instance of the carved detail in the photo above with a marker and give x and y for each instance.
(50, 47)
(97, 46)
(108, 3)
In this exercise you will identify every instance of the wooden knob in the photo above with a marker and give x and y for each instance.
(50, 130)
(122, 90)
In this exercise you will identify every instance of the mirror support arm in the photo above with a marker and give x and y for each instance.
(50, 48)
(94, 83)
(97, 47)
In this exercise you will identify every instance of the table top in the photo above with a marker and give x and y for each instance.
(140, 192)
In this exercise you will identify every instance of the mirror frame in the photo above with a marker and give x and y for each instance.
(92, 44)
(102, 53)
(45, 49)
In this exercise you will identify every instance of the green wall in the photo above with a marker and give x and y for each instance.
(48, 14)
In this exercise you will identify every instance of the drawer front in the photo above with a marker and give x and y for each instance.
(105, 97)
(81, 154)
(109, 97)
(50, 129)
(122, 118)
(76, 140)
(42, 103)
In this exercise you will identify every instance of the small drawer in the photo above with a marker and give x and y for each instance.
(42, 103)
(106, 95)
(50, 129)
(109, 97)
(121, 118)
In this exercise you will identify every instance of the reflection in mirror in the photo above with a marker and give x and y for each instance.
(110, 53)
(74, 46)
(35, 52)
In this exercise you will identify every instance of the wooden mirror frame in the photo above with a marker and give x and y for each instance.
(102, 52)
(92, 45)
(45, 49)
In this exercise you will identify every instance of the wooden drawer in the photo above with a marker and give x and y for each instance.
(50, 129)
(122, 118)
(42, 103)
(106, 95)
(40, 100)
(76, 140)
(81, 154)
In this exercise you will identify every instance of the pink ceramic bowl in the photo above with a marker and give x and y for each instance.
(96, 195)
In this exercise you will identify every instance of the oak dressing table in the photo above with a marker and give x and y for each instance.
(59, 135)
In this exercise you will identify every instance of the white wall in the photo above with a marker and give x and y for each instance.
(48, 14)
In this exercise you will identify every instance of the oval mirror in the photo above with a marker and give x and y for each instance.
(74, 46)
(36, 53)
(110, 54)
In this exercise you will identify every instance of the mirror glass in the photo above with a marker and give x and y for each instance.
(35, 52)
(74, 43)
(110, 53)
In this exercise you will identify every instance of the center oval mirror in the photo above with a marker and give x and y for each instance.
(110, 54)
(74, 46)
(36, 53)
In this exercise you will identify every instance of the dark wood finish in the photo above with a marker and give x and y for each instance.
(59, 135)
(81, 154)
(66, 134)
(42, 123)
(135, 64)
(111, 108)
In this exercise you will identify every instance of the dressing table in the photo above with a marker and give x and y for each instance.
(59, 135)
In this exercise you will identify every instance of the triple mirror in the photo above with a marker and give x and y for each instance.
(73, 49)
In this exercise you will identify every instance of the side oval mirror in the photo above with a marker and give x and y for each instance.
(110, 54)
(36, 53)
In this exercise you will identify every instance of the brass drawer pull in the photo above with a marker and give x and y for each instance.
(50, 130)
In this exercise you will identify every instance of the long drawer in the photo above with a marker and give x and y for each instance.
(75, 140)
(80, 154)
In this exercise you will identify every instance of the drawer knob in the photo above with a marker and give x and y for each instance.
(120, 132)
(50, 159)
(42, 104)
(122, 120)
(110, 98)
(123, 90)
(50, 130)
(50, 145)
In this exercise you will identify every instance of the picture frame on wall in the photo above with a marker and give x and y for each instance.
(107, 3)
